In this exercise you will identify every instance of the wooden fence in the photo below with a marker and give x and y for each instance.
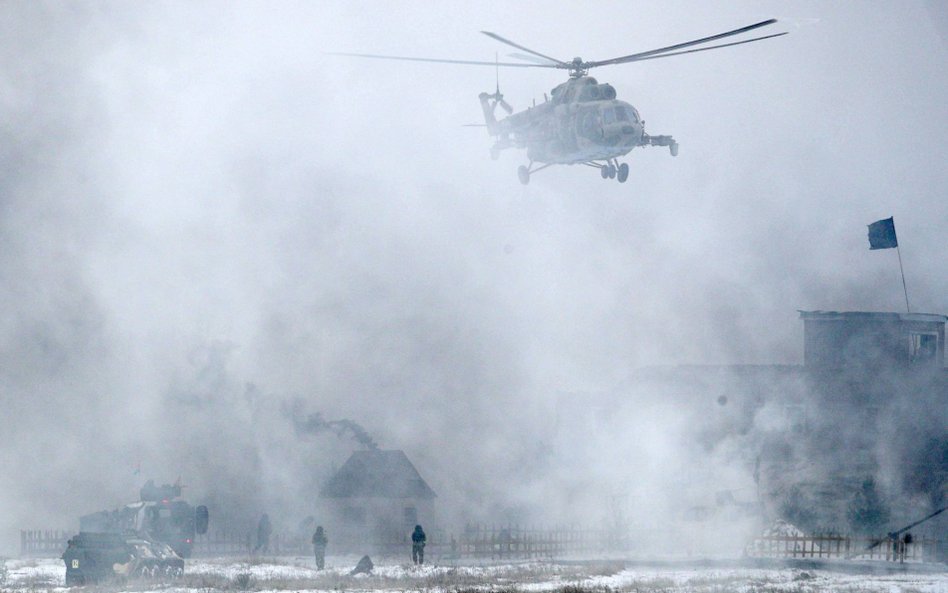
(230, 543)
(475, 541)
(486, 541)
(843, 547)
(514, 541)
(47, 543)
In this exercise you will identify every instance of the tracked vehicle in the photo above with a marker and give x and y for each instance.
(146, 538)
(97, 557)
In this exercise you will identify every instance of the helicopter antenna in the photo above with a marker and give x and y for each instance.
(498, 97)
(497, 73)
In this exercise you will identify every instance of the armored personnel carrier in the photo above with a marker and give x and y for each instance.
(96, 557)
(146, 538)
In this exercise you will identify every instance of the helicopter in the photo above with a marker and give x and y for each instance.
(581, 122)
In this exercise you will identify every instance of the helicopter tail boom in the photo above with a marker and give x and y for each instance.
(488, 108)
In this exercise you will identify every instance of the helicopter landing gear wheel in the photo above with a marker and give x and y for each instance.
(611, 171)
(623, 172)
(604, 171)
(673, 148)
(524, 174)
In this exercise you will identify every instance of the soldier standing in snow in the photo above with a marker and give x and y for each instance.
(263, 534)
(418, 540)
(319, 547)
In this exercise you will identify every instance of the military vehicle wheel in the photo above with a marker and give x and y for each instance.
(673, 148)
(623, 173)
(524, 174)
(604, 171)
(201, 518)
(612, 172)
(172, 572)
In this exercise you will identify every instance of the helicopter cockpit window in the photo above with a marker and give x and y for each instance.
(590, 126)
(608, 116)
(626, 114)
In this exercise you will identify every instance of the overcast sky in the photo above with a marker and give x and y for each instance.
(203, 216)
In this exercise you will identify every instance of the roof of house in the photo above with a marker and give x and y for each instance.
(377, 473)
(870, 316)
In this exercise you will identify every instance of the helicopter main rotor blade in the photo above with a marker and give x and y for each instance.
(529, 58)
(442, 61)
(559, 63)
(645, 54)
(691, 51)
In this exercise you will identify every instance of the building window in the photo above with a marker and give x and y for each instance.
(411, 516)
(922, 347)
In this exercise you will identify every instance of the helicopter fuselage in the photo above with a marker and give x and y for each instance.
(590, 131)
(583, 122)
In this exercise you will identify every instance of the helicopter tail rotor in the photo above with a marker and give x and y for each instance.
(504, 105)
(498, 97)
(490, 101)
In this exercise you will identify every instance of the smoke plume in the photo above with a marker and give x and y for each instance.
(314, 423)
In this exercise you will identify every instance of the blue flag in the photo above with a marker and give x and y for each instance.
(882, 234)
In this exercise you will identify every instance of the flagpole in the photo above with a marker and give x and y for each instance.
(905, 290)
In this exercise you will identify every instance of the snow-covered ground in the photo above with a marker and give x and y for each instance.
(299, 574)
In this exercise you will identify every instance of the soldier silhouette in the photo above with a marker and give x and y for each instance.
(319, 547)
(418, 540)
(264, 529)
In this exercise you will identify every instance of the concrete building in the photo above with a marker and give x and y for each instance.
(846, 339)
(854, 439)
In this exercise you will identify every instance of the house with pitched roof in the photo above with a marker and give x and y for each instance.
(376, 496)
